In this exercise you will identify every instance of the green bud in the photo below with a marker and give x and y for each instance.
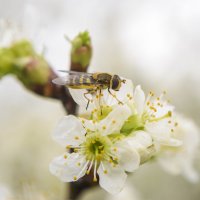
(21, 60)
(81, 51)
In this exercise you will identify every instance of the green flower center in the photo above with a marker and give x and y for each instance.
(136, 122)
(96, 146)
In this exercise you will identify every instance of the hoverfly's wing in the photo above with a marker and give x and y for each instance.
(61, 81)
(77, 81)
(75, 73)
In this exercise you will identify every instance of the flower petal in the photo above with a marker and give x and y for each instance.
(69, 131)
(115, 120)
(68, 167)
(129, 158)
(161, 133)
(140, 140)
(80, 99)
(139, 99)
(113, 180)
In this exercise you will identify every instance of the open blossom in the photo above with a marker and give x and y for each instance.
(97, 146)
(118, 133)
(181, 160)
(152, 115)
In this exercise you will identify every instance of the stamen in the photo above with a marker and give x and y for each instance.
(104, 170)
(95, 172)
(169, 114)
(91, 163)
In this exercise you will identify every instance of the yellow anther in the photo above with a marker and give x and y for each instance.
(75, 150)
(79, 164)
(176, 124)
(75, 178)
(116, 159)
(105, 171)
(97, 96)
(68, 147)
(164, 92)
(153, 108)
(151, 93)
(83, 121)
(158, 99)
(172, 130)
(95, 179)
(88, 172)
(128, 95)
(113, 121)
(65, 156)
(76, 138)
(104, 127)
(169, 113)
(115, 149)
(169, 121)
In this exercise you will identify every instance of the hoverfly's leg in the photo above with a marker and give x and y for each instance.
(100, 100)
(87, 99)
(114, 96)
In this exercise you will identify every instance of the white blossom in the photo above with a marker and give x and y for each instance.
(155, 116)
(181, 160)
(97, 145)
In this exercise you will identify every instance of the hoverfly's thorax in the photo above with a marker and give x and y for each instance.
(102, 78)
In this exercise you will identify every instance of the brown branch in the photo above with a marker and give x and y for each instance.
(34, 72)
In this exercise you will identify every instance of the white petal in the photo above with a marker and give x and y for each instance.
(88, 124)
(115, 120)
(140, 140)
(113, 181)
(129, 158)
(69, 131)
(69, 168)
(79, 98)
(139, 99)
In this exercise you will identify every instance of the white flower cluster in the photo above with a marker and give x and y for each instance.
(112, 139)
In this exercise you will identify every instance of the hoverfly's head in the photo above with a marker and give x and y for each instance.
(115, 83)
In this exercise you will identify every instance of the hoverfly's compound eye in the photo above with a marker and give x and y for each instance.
(116, 82)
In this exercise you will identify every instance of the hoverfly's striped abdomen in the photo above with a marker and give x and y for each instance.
(82, 82)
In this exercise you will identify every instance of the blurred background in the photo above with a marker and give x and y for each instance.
(156, 43)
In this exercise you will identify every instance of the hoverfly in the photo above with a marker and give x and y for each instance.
(92, 82)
